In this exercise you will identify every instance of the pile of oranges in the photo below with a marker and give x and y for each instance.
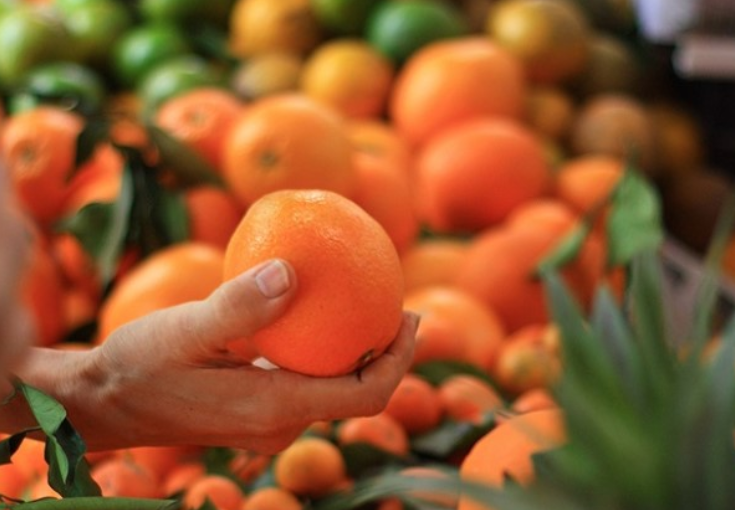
(475, 148)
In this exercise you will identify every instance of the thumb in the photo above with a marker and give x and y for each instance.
(236, 309)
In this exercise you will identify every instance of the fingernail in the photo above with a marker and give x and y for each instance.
(273, 279)
(415, 320)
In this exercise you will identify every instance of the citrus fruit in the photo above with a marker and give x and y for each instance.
(287, 141)
(176, 76)
(471, 176)
(612, 67)
(66, 84)
(350, 288)
(380, 430)
(506, 451)
(156, 283)
(272, 498)
(451, 81)
(257, 26)
(267, 73)
(95, 27)
(399, 29)
(222, 493)
(28, 37)
(415, 404)
(350, 76)
(343, 17)
(551, 37)
(143, 48)
(310, 466)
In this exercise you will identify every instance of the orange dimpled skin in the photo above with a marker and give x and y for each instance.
(348, 306)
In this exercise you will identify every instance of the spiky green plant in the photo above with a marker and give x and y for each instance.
(650, 422)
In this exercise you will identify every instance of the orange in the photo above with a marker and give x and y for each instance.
(528, 360)
(615, 125)
(350, 288)
(384, 191)
(550, 112)
(272, 498)
(157, 283)
(500, 270)
(551, 38)
(42, 292)
(214, 214)
(454, 326)
(182, 476)
(350, 76)
(75, 264)
(287, 141)
(223, 493)
(678, 138)
(432, 261)
(415, 404)
(506, 451)
(247, 465)
(267, 73)
(380, 138)
(97, 180)
(119, 477)
(381, 431)
(310, 466)
(29, 459)
(200, 118)
(533, 400)
(466, 397)
(472, 175)
(159, 460)
(451, 81)
(257, 26)
(585, 182)
(441, 498)
(12, 481)
(38, 147)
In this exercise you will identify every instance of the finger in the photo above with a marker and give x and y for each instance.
(366, 394)
(236, 309)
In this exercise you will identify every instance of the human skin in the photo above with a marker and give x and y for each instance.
(168, 379)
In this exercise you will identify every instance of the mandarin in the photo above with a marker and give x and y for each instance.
(381, 430)
(310, 466)
(432, 261)
(450, 81)
(348, 306)
(415, 404)
(287, 141)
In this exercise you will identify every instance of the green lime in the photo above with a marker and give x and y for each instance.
(178, 11)
(145, 47)
(175, 76)
(398, 29)
(344, 17)
(68, 84)
(94, 28)
(28, 37)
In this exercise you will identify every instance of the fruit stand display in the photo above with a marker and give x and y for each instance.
(524, 174)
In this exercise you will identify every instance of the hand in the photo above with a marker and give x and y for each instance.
(168, 378)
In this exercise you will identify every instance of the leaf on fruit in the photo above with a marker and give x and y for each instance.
(567, 249)
(450, 437)
(10, 445)
(634, 224)
(188, 166)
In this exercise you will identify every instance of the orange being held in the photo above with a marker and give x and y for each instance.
(310, 466)
(472, 175)
(452, 81)
(455, 326)
(214, 214)
(159, 281)
(432, 261)
(507, 449)
(287, 141)
(200, 118)
(38, 148)
(350, 76)
(415, 404)
(384, 191)
(348, 306)
(381, 431)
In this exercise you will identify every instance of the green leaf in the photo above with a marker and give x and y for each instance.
(634, 222)
(99, 503)
(364, 458)
(188, 166)
(451, 437)
(10, 445)
(48, 412)
(94, 132)
(174, 216)
(207, 505)
(567, 249)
